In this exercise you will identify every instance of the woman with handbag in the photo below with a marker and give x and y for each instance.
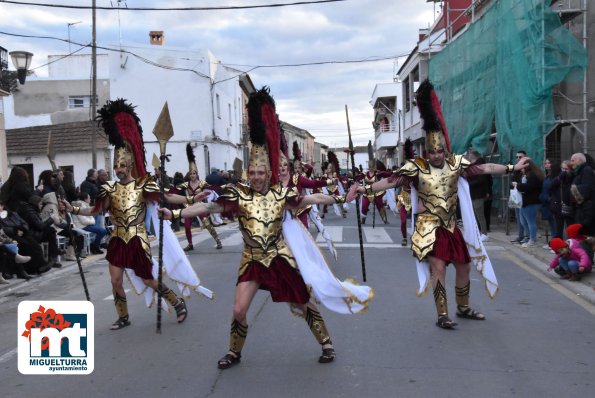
(530, 188)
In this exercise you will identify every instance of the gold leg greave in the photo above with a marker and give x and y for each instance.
(121, 305)
(317, 326)
(440, 299)
(209, 227)
(169, 295)
(383, 215)
(463, 295)
(237, 337)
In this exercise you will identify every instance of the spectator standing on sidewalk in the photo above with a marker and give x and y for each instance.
(530, 188)
(479, 187)
(583, 193)
(517, 175)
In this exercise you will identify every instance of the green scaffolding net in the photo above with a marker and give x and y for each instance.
(498, 76)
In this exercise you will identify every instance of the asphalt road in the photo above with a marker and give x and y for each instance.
(537, 341)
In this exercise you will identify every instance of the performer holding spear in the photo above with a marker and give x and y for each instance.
(128, 201)
(357, 204)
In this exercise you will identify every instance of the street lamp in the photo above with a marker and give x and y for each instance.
(21, 61)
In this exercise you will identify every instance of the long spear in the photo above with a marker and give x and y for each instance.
(359, 222)
(163, 131)
(51, 157)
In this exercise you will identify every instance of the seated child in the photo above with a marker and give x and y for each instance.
(571, 259)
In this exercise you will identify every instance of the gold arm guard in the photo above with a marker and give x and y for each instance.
(176, 214)
(339, 199)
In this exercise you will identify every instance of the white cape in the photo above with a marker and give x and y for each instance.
(477, 252)
(175, 266)
(342, 297)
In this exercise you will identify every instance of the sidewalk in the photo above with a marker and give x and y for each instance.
(15, 285)
(541, 259)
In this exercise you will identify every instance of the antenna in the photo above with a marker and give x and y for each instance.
(69, 24)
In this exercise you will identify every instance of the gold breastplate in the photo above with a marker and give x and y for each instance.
(127, 209)
(438, 192)
(260, 217)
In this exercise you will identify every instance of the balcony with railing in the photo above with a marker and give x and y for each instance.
(386, 135)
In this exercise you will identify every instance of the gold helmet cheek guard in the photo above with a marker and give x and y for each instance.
(259, 157)
(123, 156)
(435, 141)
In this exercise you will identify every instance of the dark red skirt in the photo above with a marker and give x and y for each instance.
(450, 247)
(129, 255)
(284, 283)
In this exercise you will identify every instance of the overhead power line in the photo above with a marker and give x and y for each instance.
(252, 67)
(274, 5)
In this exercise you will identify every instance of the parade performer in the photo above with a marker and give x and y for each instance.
(376, 172)
(127, 200)
(190, 189)
(436, 240)
(304, 186)
(268, 262)
(333, 185)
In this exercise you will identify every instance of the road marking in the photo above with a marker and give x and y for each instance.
(366, 245)
(111, 297)
(377, 235)
(6, 357)
(335, 232)
(590, 308)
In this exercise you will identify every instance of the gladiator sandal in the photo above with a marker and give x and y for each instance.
(463, 309)
(444, 321)
(318, 328)
(237, 337)
(122, 309)
(177, 302)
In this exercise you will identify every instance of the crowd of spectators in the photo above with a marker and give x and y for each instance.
(36, 232)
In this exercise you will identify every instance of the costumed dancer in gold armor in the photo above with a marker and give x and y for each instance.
(376, 172)
(267, 262)
(126, 201)
(436, 239)
(331, 172)
(190, 189)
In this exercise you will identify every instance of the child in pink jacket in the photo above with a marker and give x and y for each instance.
(570, 258)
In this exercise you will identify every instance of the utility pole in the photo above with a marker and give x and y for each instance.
(94, 88)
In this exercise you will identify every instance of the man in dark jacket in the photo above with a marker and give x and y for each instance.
(215, 178)
(480, 188)
(583, 192)
(90, 185)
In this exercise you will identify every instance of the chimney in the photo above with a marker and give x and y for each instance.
(156, 37)
(423, 33)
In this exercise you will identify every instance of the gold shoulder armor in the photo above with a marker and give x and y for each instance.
(106, 188)
(182, 186)
(284, 193)
(412, 167)
(233, 192)
(457, 162)
(148, 184)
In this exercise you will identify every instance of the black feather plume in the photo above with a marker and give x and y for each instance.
(190, 153)
(257, 125)
(424, 105)
(408, 149)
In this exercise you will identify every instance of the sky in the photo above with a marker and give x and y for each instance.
(311, 97)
